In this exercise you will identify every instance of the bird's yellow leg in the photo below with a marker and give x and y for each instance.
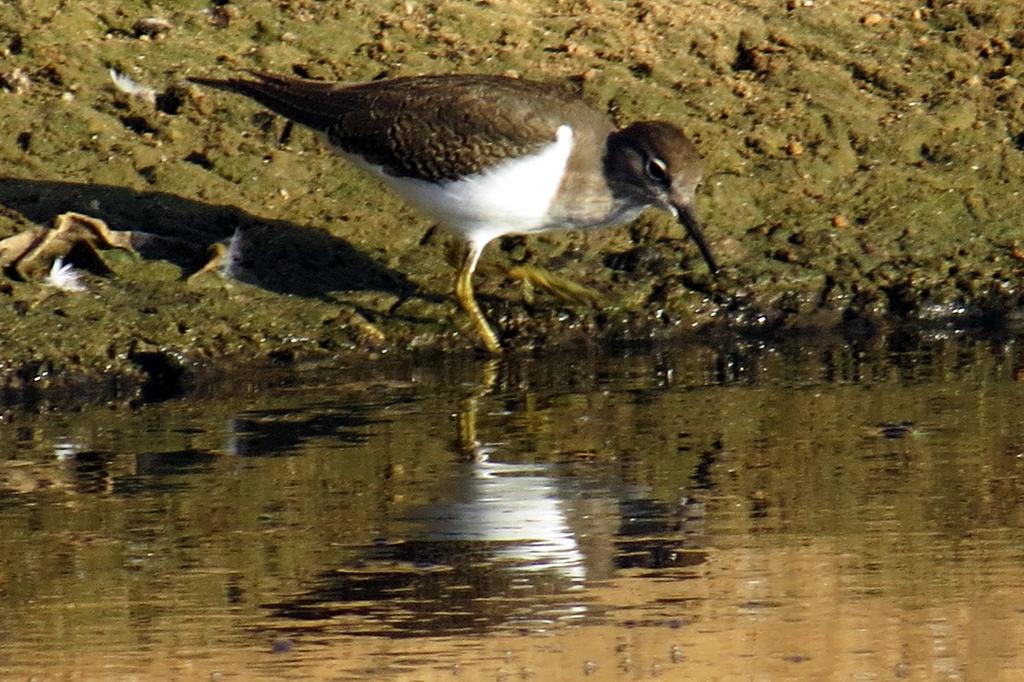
(531, 276)
(464, 292)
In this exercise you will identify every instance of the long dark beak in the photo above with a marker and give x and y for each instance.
(686, 216)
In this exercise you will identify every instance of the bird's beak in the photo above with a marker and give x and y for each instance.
(684, 213)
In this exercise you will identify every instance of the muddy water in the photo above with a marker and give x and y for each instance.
(852, 511)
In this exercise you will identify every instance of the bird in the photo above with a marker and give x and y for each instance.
(491, 155)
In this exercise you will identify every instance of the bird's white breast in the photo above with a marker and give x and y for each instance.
(511, 197)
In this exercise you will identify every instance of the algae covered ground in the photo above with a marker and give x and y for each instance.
(864, 167)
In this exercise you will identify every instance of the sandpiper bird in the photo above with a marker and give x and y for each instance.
(490, 155)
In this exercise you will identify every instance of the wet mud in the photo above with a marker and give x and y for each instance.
(863, 172)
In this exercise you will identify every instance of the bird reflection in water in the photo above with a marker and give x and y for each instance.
(503, 545)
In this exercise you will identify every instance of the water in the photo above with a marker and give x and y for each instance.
(741, 511)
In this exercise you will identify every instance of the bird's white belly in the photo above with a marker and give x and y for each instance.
(511, 197)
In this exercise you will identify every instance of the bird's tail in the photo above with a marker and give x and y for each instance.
(299, 99)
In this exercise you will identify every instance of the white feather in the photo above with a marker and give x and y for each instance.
(130, 87)
(64, 277)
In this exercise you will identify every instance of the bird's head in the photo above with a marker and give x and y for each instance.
(653, 163)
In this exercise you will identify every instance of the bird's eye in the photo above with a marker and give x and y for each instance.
(657, 170)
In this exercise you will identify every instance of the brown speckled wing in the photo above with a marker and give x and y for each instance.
(429, 127)
(444, 127)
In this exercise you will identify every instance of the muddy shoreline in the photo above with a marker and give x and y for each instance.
(864, 165)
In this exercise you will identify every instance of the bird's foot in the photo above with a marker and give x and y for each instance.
(532, 276)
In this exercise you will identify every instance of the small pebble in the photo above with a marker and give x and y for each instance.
(151, 27)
